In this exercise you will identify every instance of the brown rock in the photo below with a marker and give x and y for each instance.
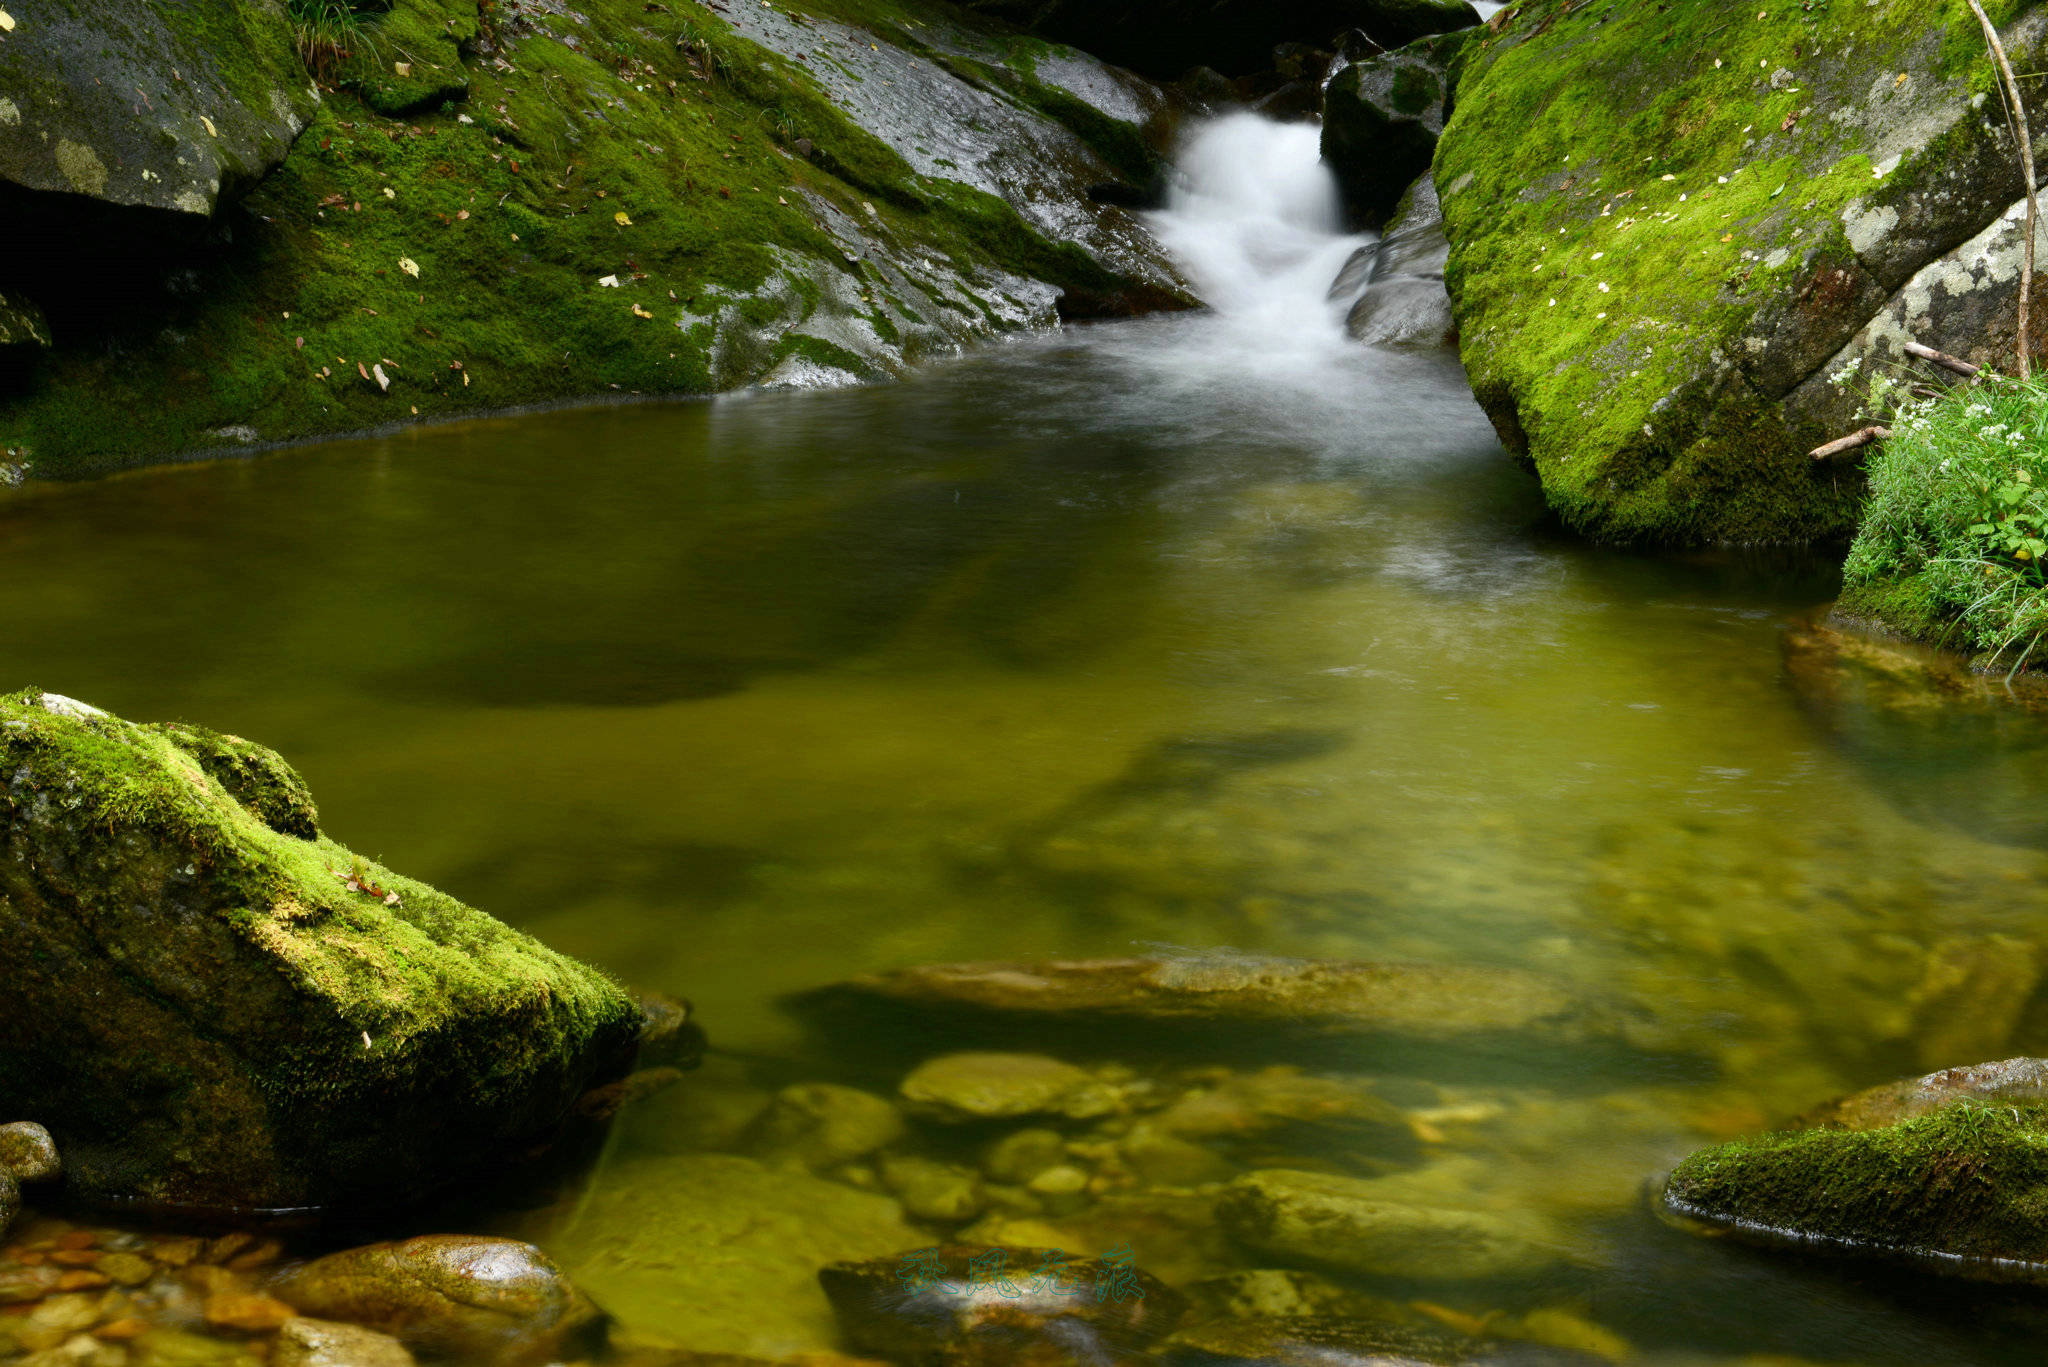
(322, 1343)
(129, 1269)
(121, 1330)
(75, 1257)
(83, 1279)
(952, 1309)
(176, 1252)
(20, 1285)
(247, 1313)
(208, 1280)
(451, 1294)
(2019, 1080)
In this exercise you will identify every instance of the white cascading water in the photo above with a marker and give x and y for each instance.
(1256, 224)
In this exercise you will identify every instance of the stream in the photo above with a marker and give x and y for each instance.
(1215, 632)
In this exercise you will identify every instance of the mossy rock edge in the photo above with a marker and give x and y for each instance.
(211, 1004)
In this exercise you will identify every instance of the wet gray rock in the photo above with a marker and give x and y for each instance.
(825, 1125)
(1378, 1227)
(452, 1295)
(1164, 38)
(162, 107)
(1382, 115)
(952, 1310)
(1402, 300)
(307, 1342)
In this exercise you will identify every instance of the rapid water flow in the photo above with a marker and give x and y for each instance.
(1255, 222)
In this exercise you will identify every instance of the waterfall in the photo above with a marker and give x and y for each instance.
(1256, 225)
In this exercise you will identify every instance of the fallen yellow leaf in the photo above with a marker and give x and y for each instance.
(409, 266)
(621, 219)
(6, 22)
(211, 131)
(402, 68)
(639, 312)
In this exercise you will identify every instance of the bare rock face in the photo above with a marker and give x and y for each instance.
(2013, 1081)
(149, 106)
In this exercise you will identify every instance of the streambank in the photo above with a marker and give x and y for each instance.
(488, 207)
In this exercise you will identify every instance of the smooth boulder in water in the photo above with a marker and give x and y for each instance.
(966, 1305)
(213, 1005)
(498, 1300)
(1947, 1171)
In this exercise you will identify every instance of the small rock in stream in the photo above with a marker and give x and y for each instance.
(978, 1306)
(323, 1343)
(824, 1125)
(992, 1086)
(453, 1295)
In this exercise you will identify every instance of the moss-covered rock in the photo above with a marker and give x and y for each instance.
(1382, 115)
(151, 106)
(209, 1004)
(611, 198)
(22, 324)
(1663, 223)
(1164, 38)
(1963, 1188)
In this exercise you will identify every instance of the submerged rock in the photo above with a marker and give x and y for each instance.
(209, 1011)
(987, 1086)
(453, 1295)
(824, 1125)
(21, 323)
(1379, 1227)
(1238, 991)
(978, 1306)
(1328, 1341)
(1655, 258)
(307, 1342)
(10, 1204)
(722, 1252)
(1382, 115)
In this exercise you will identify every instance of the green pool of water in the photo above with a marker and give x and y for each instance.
(1075, 646)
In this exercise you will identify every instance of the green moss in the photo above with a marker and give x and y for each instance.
(1969, 1182)
(1633, 194)
(507, 202)
(264, 1033)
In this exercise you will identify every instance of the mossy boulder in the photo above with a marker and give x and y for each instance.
(1164, 38)
(152, 106)
(21, 323)
(1664, 224)
(1382, 115)
(1962, 1189)
(210, 1004)
(502, 205)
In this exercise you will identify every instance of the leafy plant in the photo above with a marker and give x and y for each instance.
(1956, 530)
(330, 33)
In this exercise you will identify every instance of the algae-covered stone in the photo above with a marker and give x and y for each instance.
(156, 106)
(721, 1252)
(1963, 1189)
(28, 1152)
(1382, 115)
(1378, 1227)
(10, 1201)
(452, 1295)
(205, 1012)
(308, 1342)
(1664, 223)
(823, 1124)
(990, 1086)
(417, 63)
(1313, 1340)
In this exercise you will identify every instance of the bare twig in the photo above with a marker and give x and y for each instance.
(2025, 137)
(1854, 441)
(1942, 359)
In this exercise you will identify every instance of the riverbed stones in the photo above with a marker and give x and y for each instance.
(963, 1305)
(996, 1086)
(308, 1342)
(825, 1125)
(1664, 226)
(1316, 1340)
(210, 1011)
(453, 1295)
(722, 1252)
(1379, 1227)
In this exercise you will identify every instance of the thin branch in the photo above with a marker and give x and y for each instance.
(1854, 441)
(1942, 359)
(2018, 111)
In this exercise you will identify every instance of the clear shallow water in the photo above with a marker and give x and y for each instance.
(741, 698)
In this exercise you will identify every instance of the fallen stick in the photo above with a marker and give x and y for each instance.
(1853, 441)
(1942, 359)
(2016, 110)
